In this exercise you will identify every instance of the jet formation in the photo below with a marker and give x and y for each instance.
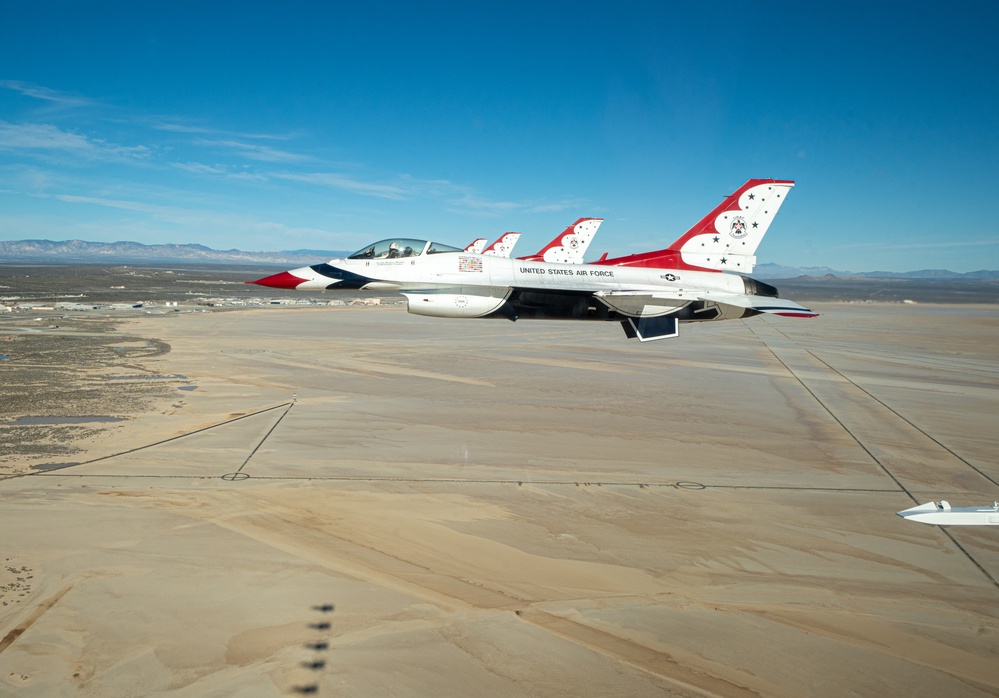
(701, 276)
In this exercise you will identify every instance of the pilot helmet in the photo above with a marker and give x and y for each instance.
(393, 245)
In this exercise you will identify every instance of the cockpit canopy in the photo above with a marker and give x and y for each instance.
(401, 247)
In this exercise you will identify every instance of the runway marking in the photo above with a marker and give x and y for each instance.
(239, 471)
(884, 468)
(839, 421)
(907, 421)
(233, 477)
(156, 443)
(645, 484)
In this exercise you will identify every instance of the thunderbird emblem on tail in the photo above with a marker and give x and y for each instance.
(648, 293)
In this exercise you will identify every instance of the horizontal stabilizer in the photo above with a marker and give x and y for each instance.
(761, 304)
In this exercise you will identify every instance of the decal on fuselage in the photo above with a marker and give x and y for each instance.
(472, 264)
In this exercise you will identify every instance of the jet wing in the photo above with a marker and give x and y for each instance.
(761, 304)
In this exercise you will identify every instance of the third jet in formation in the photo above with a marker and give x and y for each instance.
(503, 245)
(647, 293)
(569, 246)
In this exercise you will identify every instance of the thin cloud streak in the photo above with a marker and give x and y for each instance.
(473, 205)
(254, 151)
(336, 181)
(174, 126)
(194, 220)
(46, 94)
(199, 168)
(942, 244)
(49, 138)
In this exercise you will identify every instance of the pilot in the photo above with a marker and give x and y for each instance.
(407, 252)
(393, 250)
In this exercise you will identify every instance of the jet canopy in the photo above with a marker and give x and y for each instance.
(401, 247)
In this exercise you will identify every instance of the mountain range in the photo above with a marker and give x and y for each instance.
(82, 252)
(124, 252)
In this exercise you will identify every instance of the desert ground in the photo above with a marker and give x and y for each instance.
(356, 501)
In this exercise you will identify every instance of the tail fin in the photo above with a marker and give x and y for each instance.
(476, 245)
(570, 245)
(726, 239)
(503, 246)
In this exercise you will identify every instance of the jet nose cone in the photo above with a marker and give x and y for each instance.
(283, 280)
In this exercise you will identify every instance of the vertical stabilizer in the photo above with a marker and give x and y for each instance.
(476, 245)
(727, 238)
(571, 244)
(503, 246)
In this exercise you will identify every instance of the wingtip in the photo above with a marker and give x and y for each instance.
(797, 314)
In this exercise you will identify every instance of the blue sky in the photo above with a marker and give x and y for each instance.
(273, 126)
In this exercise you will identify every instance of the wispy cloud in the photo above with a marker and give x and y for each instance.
(52, 139)
(168, 212)
(948, 243)
(556, 206)
(46, 94)
(471, 204)
(338, 181)
(219, 170)
(177, 125)
(220, 229)
(200, 168)
(254, 151)
(194, 150)
(174, 127)
(474, 204)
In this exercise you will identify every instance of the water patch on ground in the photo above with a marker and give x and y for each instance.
(53, 466)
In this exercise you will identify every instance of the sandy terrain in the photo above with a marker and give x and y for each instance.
(360, 502)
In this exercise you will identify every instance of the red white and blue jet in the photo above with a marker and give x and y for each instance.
(649, 294)
(568, 246)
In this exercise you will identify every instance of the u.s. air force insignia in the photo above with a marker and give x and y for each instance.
(738, 228)
(670, 277)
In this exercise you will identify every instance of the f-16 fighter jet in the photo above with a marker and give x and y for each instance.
(503, 245)
(570, 245)
(943, 514)
(476, 245)
(649, 294)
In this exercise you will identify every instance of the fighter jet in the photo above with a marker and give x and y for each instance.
(649, 294)
(476, 245)
(503, 245)
(570, 245)
(943, 514)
